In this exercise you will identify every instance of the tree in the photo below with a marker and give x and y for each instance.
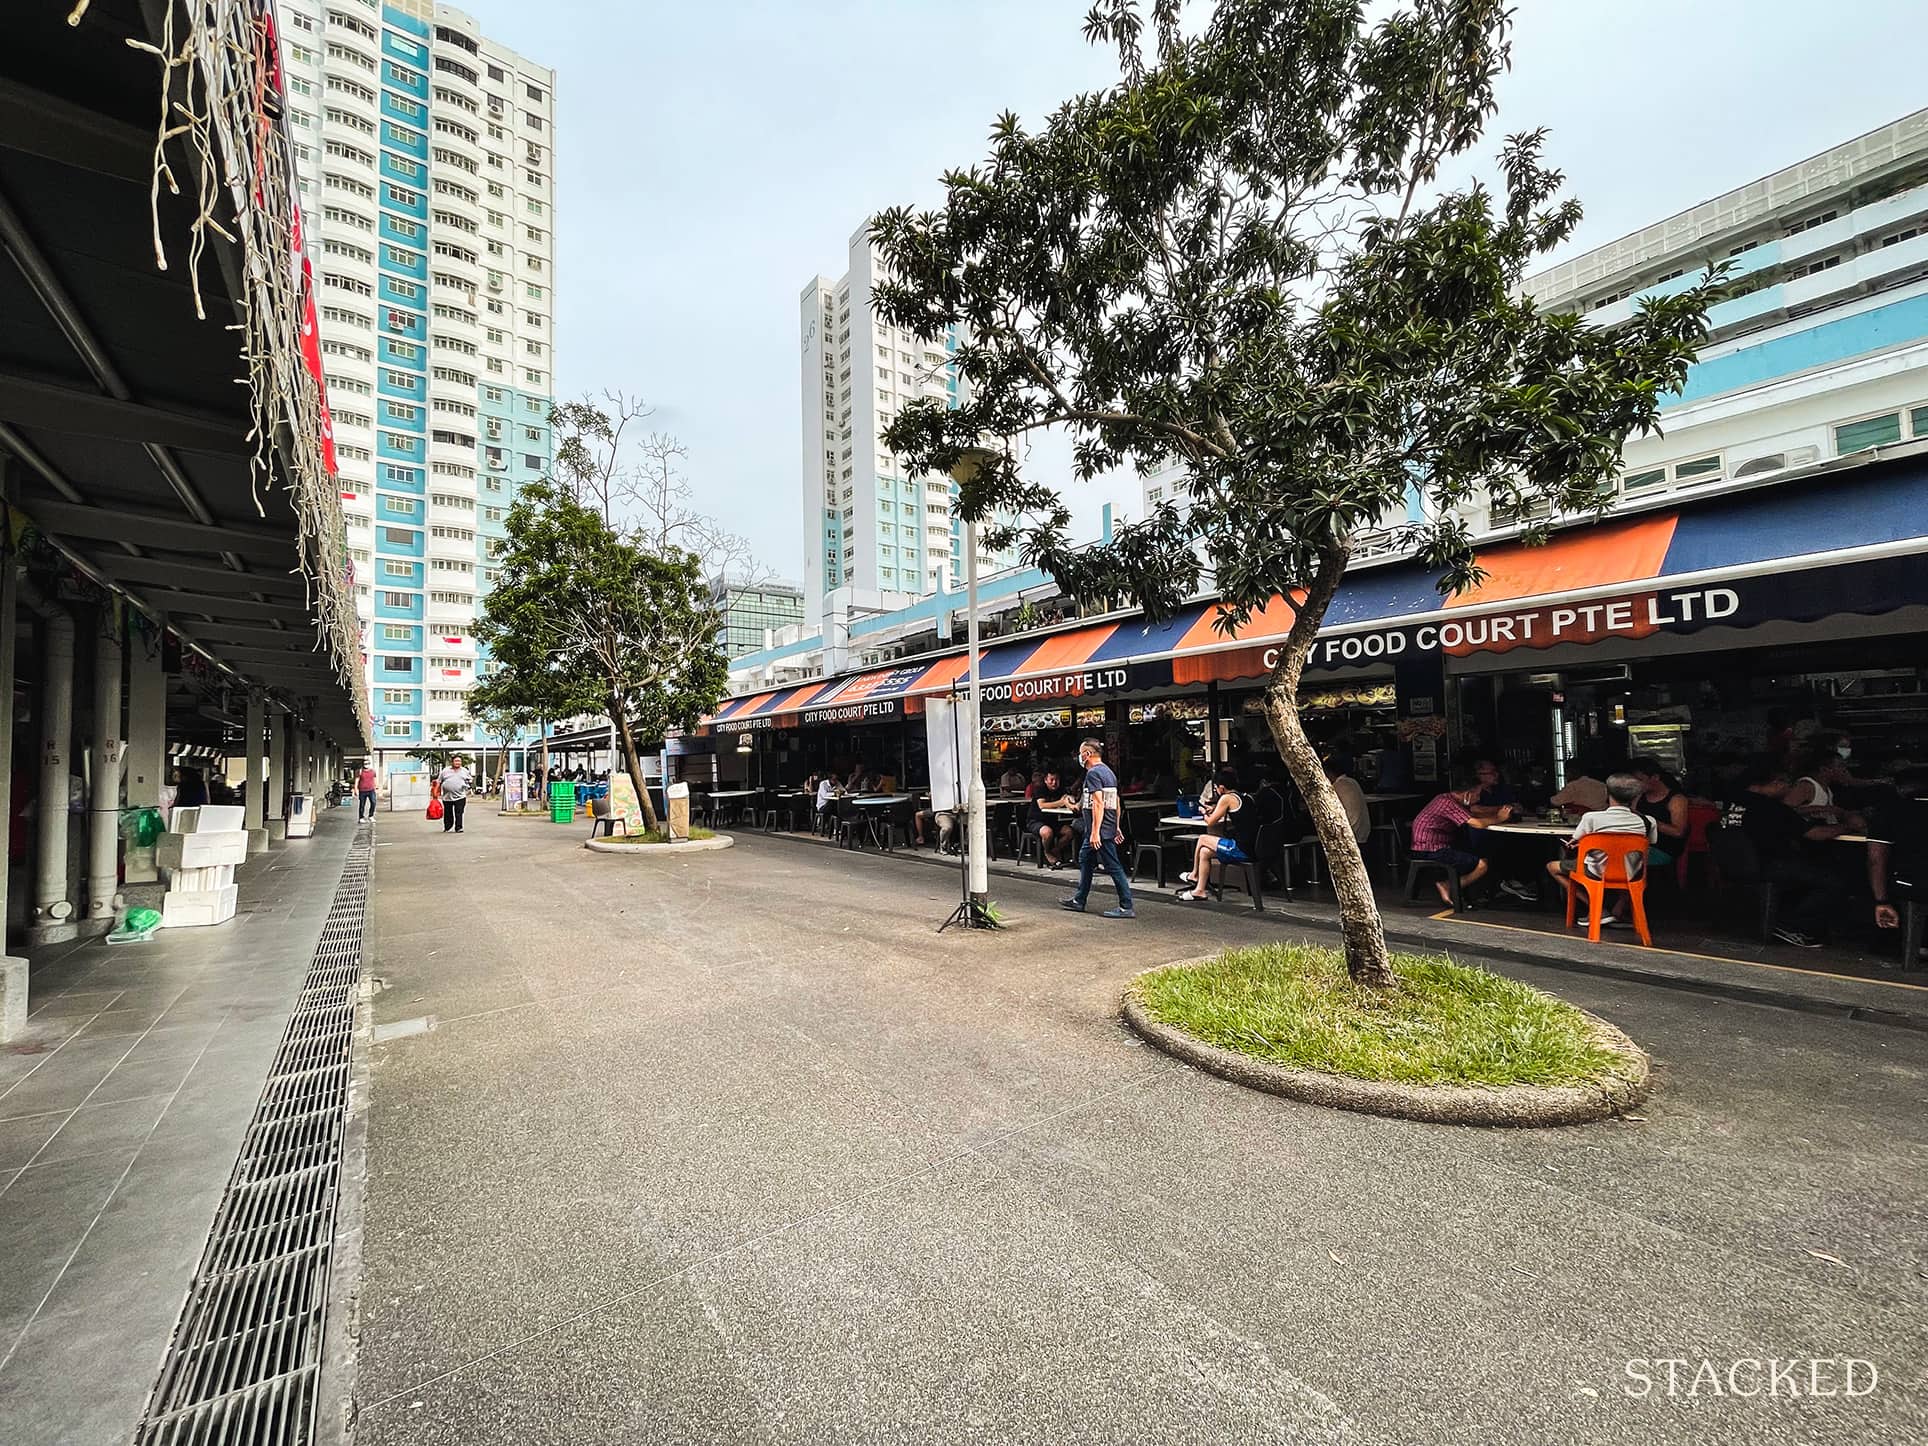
(438, 758)
(595, 621)
(1234, 258)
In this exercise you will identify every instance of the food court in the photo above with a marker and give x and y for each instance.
(1782, 623)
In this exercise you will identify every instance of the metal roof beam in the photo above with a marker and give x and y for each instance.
(67, 409)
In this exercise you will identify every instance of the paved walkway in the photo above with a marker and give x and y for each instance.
(734, 1148)
(121, 1114)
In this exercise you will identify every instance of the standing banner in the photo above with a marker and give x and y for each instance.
(952, 747)
(515, 789)
(623, 802)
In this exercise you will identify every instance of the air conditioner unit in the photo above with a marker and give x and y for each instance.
(495, 283)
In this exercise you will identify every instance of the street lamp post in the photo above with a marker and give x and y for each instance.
(976, 840)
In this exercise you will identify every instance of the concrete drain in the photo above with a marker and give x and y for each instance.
(246, 1355)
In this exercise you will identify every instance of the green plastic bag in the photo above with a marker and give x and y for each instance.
(135, 926)
(143, 827)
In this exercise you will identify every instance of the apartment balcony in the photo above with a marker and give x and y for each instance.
(454, 140)
(451, 547)
(461, 454)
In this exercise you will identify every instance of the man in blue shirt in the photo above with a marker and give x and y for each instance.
(1099, 805)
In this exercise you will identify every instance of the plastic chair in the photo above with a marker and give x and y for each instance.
(1619, 875)
(599, 816)
(1738, 867)
(1700, 818)
(1417, 868)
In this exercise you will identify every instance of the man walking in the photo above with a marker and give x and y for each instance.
(1099, 804)
(365, 787)
(454, 786)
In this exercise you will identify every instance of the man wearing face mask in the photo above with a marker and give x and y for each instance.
(1824, 786)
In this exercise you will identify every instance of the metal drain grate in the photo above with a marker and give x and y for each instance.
(246, 1355)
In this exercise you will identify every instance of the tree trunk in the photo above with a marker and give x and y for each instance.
(1367, 961)
(633, 765)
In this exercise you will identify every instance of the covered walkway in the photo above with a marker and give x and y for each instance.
(122, 1111)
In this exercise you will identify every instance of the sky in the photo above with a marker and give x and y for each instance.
(714, 157)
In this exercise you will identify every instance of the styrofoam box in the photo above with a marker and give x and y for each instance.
(209, 818)
(201, 850)
(199, 880)
(212, 906)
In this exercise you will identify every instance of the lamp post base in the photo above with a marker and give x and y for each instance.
(970, 914)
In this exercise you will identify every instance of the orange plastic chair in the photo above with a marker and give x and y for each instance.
(1617, 847)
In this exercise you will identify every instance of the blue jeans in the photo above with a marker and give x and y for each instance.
(365, 804)
(1107, 855)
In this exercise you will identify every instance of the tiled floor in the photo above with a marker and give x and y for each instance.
(121, 1114)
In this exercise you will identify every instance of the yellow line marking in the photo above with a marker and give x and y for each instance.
(1448, 915)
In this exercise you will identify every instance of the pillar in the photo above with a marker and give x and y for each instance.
(13, 970)
(283, 768)
(255, 817)
(145, 766)
(53, 910)
(104, 797)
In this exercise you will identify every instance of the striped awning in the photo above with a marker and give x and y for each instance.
(1847, 542)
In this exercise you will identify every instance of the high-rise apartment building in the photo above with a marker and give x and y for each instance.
(871, 525)
(426, 155)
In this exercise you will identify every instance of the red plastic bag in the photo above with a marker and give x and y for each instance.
(435, 808)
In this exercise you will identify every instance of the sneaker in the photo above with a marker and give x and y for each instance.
(1797, 939)
(1513, 888)
(1072, 904)
(1614, 921)
(1121, 913)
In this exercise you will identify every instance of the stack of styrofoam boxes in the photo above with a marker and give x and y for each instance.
(197, 857)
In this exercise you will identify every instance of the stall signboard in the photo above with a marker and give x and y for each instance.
(1028, 722)
(515, 789)
(863, 710)
(1077, 683)
(754, 724)
(1187, 710)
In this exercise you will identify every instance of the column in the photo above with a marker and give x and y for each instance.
(53, 910)
(103, 798)
(255, 817)
(13, 971)
(283, 768)
(146, 760)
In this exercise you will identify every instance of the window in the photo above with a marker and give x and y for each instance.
(402, 507)
(403, 696)
(393, 729)
(491, 394)
(397, 599)
(395, 633)
(408, 230)
(532, 462)
(1868, 432)
(402, 164)
(402, 196)
(1825, 263)
(407, 476)
(397, 569)
(405, 290)
(400, 536)
(1811, 222)
(532, 434)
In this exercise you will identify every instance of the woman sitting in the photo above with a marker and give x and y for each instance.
(1230, 830)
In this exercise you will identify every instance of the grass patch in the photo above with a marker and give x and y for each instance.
(655, 836)
(1443, 1023)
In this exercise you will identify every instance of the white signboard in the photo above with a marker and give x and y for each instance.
(951, 744)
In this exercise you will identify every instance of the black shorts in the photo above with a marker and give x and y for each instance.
(1463, 860)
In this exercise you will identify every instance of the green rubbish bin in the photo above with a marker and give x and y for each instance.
(562, 803)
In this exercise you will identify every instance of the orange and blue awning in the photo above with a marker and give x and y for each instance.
(1849, 542)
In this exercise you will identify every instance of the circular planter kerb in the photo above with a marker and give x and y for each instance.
(1515, 1105)
(686, 846)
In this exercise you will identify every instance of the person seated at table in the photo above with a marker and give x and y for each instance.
(1779, 834)
(1037, 782)
(1662, 800)
(1495, 792)
(1819, 778)
(1436, 835)
(859, 775)
(1140, 784)
(1352, 798)
(1898, 849)
(1054, 830)
(935, 825)
(1231, 832)
(1621, 815)
(1012, 780)
(827, 792)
